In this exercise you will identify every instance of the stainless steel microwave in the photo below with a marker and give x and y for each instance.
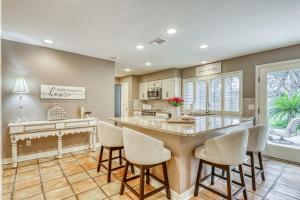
(154, 93)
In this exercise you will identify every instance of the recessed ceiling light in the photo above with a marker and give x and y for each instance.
(148, 63)
(127, 70)
(203, 46)
(171, 31)
(48, 41)
(203, 62)
(139, 47)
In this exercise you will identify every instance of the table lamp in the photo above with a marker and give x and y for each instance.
(20, 88)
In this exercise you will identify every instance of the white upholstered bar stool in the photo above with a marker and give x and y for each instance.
(144, 152)
(110, 138)
(224, 152)
(256, 144)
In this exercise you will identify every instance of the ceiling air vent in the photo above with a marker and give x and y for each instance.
(157, 41)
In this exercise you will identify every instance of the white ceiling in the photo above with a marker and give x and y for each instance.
(106, 28)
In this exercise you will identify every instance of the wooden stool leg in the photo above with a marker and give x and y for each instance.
(166, 180)
(109, 166)
(223, 172)
(132, 168)
(120, 157)
(243, 182)
(142, 183)
(229, 191)
(100, 158)
(148, 176)
(124, 177)
(198, 178)
(261, 166)
(212, 178)
(252, 170)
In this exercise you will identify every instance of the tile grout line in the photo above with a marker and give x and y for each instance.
(100, 187)
(14, 184)
(274, 183)
(41, 181)
(64, 175)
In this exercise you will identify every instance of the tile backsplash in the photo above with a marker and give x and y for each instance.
(249, 107)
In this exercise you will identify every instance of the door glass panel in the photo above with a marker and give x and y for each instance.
(232, 93)
(188, 95)
(215, 94)
(283, 106)
(200, 101)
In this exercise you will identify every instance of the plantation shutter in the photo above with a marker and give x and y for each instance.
(188, 94)
(200, 99)
(215, 94)
(232, 93)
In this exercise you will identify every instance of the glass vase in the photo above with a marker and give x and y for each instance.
(176, 112)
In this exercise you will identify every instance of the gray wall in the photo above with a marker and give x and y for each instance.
(41, 65)
(247, 64)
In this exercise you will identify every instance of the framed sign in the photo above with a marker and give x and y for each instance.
(62, 92)
(209, 69)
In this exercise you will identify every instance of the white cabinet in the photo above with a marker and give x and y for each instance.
(143, 91)
(153, 84)
(171, 88)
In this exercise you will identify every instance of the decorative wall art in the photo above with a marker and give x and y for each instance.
(209, 69)
(62, 92)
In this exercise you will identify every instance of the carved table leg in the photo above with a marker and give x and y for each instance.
(14, 153)
(59, 146)
(94, 139)
(91, 139)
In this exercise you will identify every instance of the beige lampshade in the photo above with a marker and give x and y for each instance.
(20, 86)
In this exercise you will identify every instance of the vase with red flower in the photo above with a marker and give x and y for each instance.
(176, 103)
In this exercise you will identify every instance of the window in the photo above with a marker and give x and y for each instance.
(216, 94)
(200, 100)
(232, 93)
(188, 94)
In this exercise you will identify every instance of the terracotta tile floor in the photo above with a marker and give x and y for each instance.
(74, 177)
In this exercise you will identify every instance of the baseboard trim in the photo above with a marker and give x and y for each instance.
(174, 195)
(47, 153)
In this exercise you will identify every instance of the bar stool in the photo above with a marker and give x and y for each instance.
(256, 144)
(144, 152)
(110, 138)
(224, 152)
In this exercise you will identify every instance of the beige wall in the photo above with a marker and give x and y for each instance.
(48, 66)
(164, 74)
(247, 64)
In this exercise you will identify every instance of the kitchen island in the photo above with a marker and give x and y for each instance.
(182, 139)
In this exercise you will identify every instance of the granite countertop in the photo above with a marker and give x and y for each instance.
(202, 125)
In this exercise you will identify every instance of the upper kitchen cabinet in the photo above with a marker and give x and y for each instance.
(155, 84)
(171, 88)
(143, 91)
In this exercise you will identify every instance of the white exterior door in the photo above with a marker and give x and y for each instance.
(266, 73)
(124, 100)
(276, 84)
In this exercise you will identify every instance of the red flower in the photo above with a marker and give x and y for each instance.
(175, 101)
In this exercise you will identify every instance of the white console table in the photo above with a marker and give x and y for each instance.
(39, 129)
